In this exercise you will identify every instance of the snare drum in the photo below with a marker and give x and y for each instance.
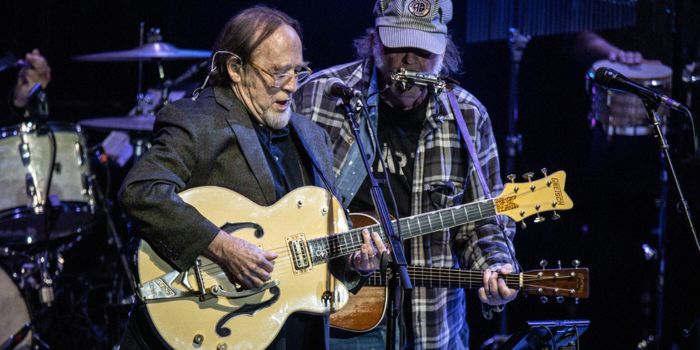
(15, 314)
(25, 159)
(621, 113)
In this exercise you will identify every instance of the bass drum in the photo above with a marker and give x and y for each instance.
(15, 314)
(25, 159)
(621, 113)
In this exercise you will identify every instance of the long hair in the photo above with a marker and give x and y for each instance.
(366, 45)
(243, 33)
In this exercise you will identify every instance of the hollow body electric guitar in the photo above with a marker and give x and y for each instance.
(202, 309)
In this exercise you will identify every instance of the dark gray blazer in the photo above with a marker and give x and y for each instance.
(210, 141)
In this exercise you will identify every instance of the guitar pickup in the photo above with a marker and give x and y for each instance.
(299, 253)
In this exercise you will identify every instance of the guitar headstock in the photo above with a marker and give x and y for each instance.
(560, 283)
(521, 200)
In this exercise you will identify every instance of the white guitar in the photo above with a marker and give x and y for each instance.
(202, 309)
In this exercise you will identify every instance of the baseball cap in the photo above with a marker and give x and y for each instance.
(413, 23)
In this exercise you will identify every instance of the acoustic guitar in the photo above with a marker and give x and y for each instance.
(365, 310)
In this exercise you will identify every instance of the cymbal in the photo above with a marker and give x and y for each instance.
(129, 123)
(156, 51)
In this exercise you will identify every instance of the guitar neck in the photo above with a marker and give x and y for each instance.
(326, 248)
(433, 277)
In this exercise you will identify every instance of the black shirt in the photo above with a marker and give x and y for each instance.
(398, 133)
(281, 148)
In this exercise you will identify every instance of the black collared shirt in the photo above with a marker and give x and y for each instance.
(282, 151)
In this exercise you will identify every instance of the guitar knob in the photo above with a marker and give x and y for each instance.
(544, 299)
(560, 299)
(198, 340)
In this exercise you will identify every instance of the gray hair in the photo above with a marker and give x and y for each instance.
(243, 33)
(366, 45)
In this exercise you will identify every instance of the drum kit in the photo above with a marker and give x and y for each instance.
(51, 200)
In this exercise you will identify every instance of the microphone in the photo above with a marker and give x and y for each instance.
(614, 80)
(336, 88)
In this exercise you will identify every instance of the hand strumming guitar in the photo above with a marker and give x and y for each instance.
(248, 265)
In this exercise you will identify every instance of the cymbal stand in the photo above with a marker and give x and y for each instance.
(140, 97)
(106, 206)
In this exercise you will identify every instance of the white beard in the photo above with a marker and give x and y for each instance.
(276, 120)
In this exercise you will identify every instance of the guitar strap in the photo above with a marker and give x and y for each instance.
(466, 137)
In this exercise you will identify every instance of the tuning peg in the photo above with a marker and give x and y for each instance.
(528, 177)
(555, 216)
(539, 218)
(543, 263)
(523, 225)
(544, 299)
(575, 263)
(512, 178)
(576, 300)
(559, 264)
(560, 299)
(544, 172)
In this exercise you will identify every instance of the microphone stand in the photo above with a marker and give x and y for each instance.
(380, 206)
(651, 107)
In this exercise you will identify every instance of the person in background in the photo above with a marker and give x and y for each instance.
(33, 69)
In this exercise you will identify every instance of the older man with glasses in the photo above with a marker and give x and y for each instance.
(239, 133)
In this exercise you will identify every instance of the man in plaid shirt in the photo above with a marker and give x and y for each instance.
(426, 165)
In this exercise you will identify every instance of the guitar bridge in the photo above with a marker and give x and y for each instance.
(299, 253)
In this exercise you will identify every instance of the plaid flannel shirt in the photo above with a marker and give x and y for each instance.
(440, 179)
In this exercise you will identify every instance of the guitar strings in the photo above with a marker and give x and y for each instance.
(345, 248)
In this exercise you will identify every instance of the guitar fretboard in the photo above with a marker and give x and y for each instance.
(326, 248)
(431, 277)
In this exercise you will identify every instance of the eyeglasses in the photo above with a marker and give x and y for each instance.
(300, 73)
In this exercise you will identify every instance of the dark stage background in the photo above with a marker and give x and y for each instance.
(604, 231)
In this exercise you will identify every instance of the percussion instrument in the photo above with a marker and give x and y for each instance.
(26, 153)
(151, 51)
(129, 123)
(15, 314)
(621, 113)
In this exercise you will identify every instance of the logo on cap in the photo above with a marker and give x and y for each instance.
(419, 8)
